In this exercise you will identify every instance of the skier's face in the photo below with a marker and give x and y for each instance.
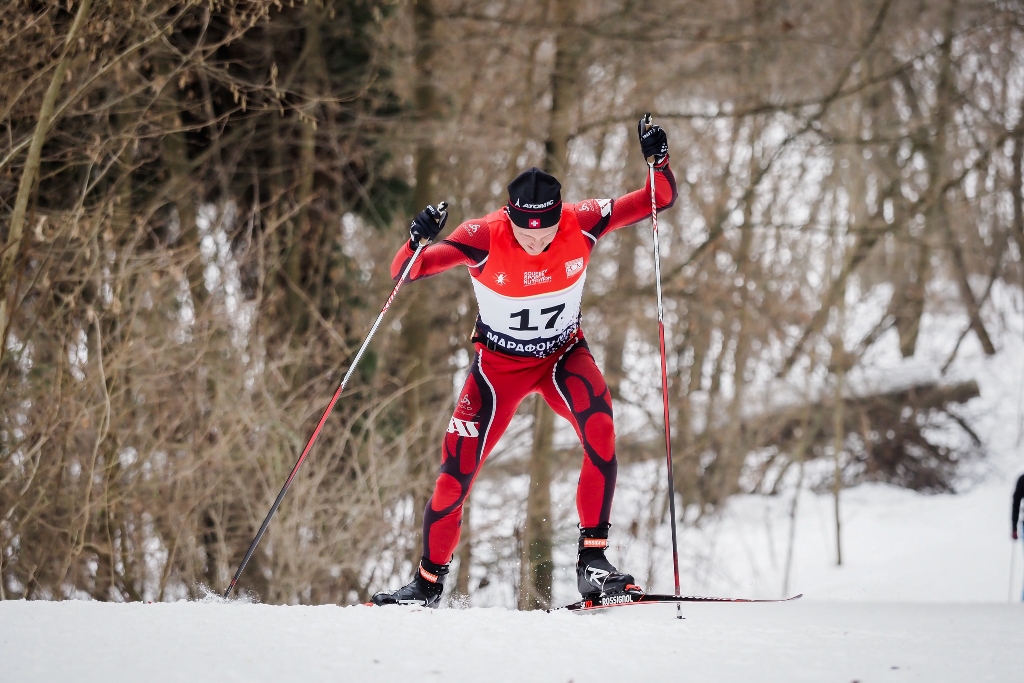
(534, 241)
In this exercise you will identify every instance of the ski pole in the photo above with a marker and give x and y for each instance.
(664, 371)
(442, 208)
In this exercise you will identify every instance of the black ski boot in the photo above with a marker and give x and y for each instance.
(595, 575)
(424, 590)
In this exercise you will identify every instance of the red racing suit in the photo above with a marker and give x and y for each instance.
(528, 339)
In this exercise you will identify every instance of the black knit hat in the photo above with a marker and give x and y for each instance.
(534, 200)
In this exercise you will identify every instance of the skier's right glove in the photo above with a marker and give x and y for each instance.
(427, 224)
(653, 141)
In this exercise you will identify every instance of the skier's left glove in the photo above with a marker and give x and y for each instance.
(427, 224)
(653, 142)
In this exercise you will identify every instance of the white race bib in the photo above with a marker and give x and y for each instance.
(532, 325)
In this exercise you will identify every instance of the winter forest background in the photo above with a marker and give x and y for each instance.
(201, 200)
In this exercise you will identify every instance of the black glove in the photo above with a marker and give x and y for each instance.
(427, 224)
(653, 142)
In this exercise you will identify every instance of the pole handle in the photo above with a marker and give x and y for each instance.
(442, 208)
(648, 123)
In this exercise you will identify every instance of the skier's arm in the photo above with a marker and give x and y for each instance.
(466, 246)
(603, 216)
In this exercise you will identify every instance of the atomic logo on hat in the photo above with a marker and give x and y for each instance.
(534, 200)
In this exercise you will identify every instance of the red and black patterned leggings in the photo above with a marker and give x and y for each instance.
(572, 385)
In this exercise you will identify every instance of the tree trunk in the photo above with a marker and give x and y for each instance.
(733, 451)
(569, 47)
(1016, 192)
(837, 447)
(535, 591)
(416, 321)
(618, 327)
(9, 252)
(537, 569)
(315, 77)
(839, 363)
(966, 293)
(175, 153)
(465, 553)
(908, 320)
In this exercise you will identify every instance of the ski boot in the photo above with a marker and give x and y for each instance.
(595, 575)
(424, 590)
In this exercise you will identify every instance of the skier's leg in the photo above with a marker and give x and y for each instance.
(577, 391)
(481, 416)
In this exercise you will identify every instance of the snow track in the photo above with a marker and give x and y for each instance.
(805, 641)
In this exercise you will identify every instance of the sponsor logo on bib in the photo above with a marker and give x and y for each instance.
(500, 278)
(573, 267)
(536, 278)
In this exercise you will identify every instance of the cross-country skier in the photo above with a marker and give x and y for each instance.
(1018, 496)
(1015, 510)
(529, 261)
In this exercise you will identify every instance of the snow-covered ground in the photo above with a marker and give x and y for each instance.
(898, 545)
(924, 593)
(802, 641)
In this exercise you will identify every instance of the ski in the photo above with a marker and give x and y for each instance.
(623, 599)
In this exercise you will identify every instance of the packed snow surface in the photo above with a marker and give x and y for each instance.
(797, 641)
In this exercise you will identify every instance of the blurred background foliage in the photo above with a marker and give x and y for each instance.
(200, 202)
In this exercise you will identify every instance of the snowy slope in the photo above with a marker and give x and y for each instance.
(897, 544)
(803, 641)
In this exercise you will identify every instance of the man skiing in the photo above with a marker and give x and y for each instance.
(1018, 498)
(528, 261)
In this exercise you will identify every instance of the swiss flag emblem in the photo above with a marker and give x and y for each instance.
(534, 222)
